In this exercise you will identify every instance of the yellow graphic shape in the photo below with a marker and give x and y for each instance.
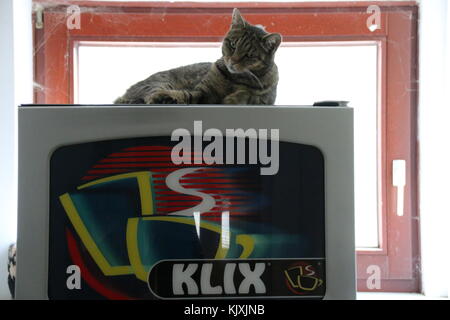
(133, 247)
(89, 242)
(144, 184)
(147, 210)
(248, 244)
(133, 250)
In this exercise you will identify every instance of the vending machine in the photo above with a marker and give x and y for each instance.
(185, 202)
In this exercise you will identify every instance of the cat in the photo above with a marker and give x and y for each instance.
(246, 74)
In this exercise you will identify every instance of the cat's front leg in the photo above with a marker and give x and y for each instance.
(168, 97)
(237, 97)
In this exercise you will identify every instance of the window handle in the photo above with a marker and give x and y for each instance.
(399, 181)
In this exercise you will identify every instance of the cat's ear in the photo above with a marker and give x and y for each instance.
(237, 20)
(272, 41)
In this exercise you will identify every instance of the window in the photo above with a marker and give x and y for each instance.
(308, 72)
(328, 53)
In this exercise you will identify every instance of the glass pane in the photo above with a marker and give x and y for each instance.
(118, 67)
(309, 72)
(349, 73)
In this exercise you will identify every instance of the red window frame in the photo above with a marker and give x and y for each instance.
(398, 255)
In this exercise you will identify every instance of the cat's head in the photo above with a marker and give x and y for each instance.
(247, 47)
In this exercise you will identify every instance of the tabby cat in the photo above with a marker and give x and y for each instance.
(246, 73)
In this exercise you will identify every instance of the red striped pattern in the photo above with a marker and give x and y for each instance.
(177, 197)
(152, 148)
(194, 203)
(212, 186)
(150, 153)
(230, 191)
(233, 192)
(148, 165)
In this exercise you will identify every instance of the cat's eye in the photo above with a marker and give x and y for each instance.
(232, 44)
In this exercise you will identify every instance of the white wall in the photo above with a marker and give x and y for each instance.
(15, 88)
(434, 139)
(7, 148)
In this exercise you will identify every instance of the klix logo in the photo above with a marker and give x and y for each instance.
(240, 278)
(182, 275)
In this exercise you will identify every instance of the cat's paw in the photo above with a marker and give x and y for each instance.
(162, 98)
(238, 97)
